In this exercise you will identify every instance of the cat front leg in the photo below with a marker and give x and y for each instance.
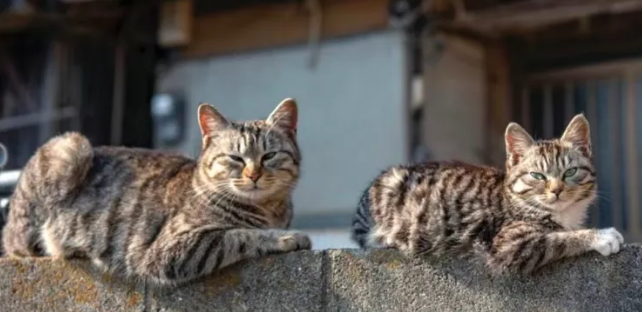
(524, 247)
(198, 253)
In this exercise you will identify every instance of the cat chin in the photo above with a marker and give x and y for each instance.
(558, 205)
(253, 194)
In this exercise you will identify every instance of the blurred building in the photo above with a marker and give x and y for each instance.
(539, 63)
(378, 82)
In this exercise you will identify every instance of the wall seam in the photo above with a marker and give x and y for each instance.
(325, 280)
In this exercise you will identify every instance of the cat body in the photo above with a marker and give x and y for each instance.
(518, 220)
(157, 215)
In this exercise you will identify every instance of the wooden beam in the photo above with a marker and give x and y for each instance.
(78, 1)
(12, 22)
(272, 25)
(599, 26)
(576, 52)
(608, 37)
(533, 14)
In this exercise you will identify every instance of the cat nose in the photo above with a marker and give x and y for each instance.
(254, 175)
(557, 191)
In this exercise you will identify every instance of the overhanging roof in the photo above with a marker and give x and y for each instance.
(530, 15)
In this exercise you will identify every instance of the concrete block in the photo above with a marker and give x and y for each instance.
(384, 280)
(335, 280)
(57, 286)
(286, 283)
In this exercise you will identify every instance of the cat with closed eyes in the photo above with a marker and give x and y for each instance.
(518, 220)
(158, 216)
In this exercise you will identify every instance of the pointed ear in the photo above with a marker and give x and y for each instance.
(578, 134)
(517, 143)
(285, 115)
(210, 120)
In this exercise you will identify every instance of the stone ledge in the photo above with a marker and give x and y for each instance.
(45, 285)
(334, 280)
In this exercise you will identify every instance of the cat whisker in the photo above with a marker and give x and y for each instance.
(202, 193)
(208, 194)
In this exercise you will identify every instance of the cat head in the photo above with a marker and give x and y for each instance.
(251, 159)
(553, 174)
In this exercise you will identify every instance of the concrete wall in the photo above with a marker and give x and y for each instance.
(335, 280)
(352, 120)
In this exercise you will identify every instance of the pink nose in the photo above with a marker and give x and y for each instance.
(254, 176)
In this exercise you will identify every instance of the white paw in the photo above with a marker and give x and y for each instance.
(607, 241)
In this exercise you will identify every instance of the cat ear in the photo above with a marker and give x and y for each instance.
(285, 115)
(210, 120)
(578, 134)
(517, 142)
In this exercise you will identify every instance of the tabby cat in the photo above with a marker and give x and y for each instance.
(514, 221)
(158, 216)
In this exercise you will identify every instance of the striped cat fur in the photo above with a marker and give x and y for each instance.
(517, 220)
(158, 216)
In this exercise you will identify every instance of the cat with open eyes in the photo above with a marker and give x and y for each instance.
(159, 216)
(514, 221)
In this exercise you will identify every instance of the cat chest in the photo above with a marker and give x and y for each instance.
(241, 218)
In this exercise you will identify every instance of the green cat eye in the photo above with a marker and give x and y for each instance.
(538, 176)
(570, 172)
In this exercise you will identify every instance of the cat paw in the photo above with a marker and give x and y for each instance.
(607, 241)
(294, 241)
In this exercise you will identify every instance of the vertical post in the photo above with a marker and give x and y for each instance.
(50, 91)
(119, 93)
(408, 122)
(592, 116)
(75, 91)
(526, 109)
(569, 101)
(499, 107)
(548, 112)
(632, 158)
(614, 105)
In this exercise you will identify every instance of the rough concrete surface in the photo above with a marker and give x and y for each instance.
(386, 281)
(335, 280)
(45, 285)
(286, 283)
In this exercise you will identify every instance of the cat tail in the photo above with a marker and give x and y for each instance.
(54, 173)
(362, 222)
(62, 164)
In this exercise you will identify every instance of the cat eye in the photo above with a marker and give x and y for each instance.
(236, 158)
(570, 172)
(268, 156)
(538, 176)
